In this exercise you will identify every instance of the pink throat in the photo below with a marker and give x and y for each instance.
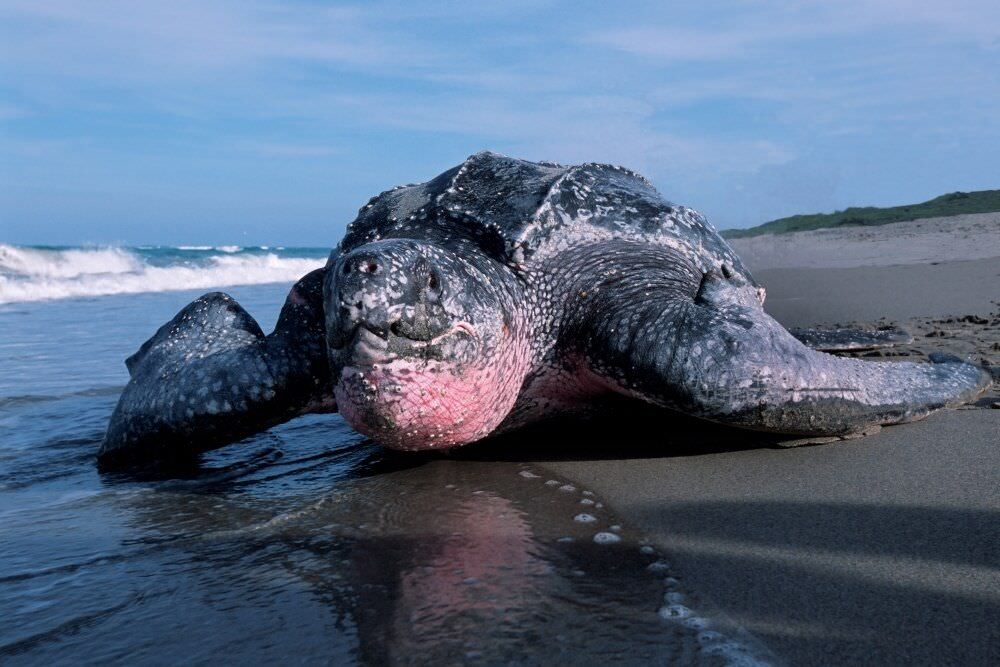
(419, 404)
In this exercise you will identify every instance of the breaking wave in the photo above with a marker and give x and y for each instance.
(37, 273)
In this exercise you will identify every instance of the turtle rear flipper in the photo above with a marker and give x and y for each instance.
(851, 340)
(210, 376)
(711, 351)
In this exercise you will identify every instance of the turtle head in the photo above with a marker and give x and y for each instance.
(428, 348)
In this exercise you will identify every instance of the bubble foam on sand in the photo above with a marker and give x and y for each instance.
(675, 609)
(658, 566)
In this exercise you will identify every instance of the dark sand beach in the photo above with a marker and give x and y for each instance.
(880, 550)
(647, 538)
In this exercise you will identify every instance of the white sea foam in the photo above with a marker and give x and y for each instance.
(35, 274)
(72, 263)
(674, 611)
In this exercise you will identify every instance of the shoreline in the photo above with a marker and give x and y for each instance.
(880, 550)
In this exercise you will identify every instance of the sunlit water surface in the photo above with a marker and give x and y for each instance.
(305, 542)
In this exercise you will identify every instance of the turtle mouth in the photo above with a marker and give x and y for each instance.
(371, 345)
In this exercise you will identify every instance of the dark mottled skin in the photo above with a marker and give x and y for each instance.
(210, 376)
(500, 293)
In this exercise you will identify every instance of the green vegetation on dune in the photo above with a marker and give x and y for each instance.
(955, 203)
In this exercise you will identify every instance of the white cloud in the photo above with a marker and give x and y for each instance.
(676, 43)
(274, 149)
(746, 29)
(12, 111)
(151, 41)
(703, 98)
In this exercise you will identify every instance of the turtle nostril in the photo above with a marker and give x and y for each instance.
(368, 267)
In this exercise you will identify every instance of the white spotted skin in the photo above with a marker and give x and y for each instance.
(424, 362)
(210, 376)
(626, 293)
(414, 403)
(500, 293)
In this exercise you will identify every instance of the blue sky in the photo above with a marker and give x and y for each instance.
(263, 122)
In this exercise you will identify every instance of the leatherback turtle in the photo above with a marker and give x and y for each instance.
(500, 293)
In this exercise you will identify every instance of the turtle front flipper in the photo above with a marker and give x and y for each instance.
(707, 348)
(210, 376)
(851, 340)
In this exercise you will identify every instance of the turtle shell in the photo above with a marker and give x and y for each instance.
(521, 212)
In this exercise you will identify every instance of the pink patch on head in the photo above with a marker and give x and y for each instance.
(420, 404)
(416, 403)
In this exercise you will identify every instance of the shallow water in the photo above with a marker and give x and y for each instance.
(303, 541)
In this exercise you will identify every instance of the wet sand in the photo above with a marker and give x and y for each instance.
(803, 297)
(302, 540)
(881, 550)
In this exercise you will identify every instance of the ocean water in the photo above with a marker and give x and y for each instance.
(51, 272)
(305, 543)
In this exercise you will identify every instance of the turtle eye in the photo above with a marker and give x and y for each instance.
(432, 281)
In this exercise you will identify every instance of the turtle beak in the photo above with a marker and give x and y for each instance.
(391, 291)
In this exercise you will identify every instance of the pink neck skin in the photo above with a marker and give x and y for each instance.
(420, 404)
